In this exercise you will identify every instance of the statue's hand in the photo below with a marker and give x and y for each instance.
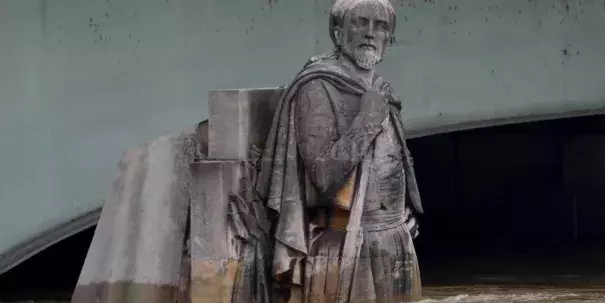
(411, 223)
(374, 107)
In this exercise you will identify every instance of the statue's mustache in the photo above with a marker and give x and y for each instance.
(368, 45)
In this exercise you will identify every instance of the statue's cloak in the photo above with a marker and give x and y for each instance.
(282, 181)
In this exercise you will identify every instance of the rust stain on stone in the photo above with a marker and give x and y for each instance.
(213, 280)
(344, 197)
(123, 292)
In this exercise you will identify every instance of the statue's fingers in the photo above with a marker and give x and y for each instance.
(406, 212)
(415, 234)
(411, 222)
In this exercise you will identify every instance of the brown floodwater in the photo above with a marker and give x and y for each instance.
(511, 293)
(507, 294)
(572, 276)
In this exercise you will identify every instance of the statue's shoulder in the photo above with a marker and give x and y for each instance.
(317, 73)
(317, 87)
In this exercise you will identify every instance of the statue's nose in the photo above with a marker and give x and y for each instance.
(369, 34)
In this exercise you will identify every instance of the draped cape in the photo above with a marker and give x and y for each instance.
(281, 175)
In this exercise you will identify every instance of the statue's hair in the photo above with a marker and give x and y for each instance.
(337, 18)
(341, 7)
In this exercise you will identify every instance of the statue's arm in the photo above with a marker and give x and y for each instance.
(328, 157)
(409, 213)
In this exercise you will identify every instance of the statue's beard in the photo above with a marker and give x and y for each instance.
(365, 58)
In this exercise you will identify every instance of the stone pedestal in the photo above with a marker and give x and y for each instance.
(214, 249)
(228, 230)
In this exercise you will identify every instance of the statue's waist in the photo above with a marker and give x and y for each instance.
(386, 187)
(337, 218)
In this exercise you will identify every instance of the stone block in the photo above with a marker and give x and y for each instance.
(214, 249)
(211, 184)
(238, 119)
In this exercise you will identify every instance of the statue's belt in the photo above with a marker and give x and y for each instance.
(336, 218)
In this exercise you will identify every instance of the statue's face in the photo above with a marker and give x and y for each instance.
(365, 33)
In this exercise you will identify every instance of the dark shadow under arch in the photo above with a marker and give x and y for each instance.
(515, 201)
(51, 274)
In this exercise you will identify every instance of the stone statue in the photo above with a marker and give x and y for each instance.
(317, 206)
(337, 173)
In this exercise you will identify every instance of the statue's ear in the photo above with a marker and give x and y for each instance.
(338, 35)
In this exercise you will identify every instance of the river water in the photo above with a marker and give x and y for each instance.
(496, 294)
(503, 294)
(540, 277)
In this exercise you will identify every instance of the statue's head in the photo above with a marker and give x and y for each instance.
(362, 29)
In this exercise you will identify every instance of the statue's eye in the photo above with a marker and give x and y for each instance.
(382, 25)
(361, 21)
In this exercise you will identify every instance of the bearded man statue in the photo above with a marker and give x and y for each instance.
(338, 175)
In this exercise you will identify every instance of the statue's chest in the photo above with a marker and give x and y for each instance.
(346, 107)
(387, 179)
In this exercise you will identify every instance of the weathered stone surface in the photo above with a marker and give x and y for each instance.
(213, 281)
(238, 119)
(202, 140)
(214, 250)
(211, 237)
(126, 292)
(139, 248)
(229, 235)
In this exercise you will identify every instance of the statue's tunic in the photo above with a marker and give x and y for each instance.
(387, 269)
